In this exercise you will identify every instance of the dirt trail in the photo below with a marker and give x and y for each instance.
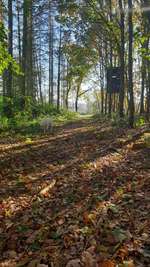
(83, 191)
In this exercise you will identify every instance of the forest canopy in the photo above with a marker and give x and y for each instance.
(58, 53)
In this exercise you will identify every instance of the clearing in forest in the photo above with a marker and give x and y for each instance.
(80, 197)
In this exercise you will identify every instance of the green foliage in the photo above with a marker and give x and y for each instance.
(5, 58)
(141, 43)
(140, 121)
(4, 123)
(119, 122)
(81, 60)
(26, 120)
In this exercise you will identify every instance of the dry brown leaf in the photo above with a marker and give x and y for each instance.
(122, 253)
(128, 264)
(74, 263)
(68, 241)
(85, 217)
(88, 259)
(89, 218)
(107, 263)
(42, 265)
(45, 191)
(61, 221)
(8, 263)
(91, 249)
(33, 263)
(32, 237)
(11, 254)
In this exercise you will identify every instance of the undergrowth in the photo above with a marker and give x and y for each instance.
(26, 122)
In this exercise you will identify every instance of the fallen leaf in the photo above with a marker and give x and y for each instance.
(33, 263)
(74, 263)
(107, 263)
(11, 254)
(88, 259)
(61, 221)
(89, 218)
(119, 234)
(127, 264)
(85, 217)
(45, 191)
(42, 265)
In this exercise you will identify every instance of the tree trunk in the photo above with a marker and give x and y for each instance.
(122, 63)
(66, 100)
(19, 32)
(50, 55)
(59, 69)
(142, 87)
(101, 73)
(30, 89)
(106, 101)
(24, 47)
(10, 49)
(77, 96)
(27, 50)
(111, 55)
(1, 12)
(148, 92)
(130, 65)
(76, 103)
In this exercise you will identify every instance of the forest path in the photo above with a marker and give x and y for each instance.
(81, 194)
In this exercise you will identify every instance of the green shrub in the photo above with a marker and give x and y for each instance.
(4, 123)
(140, 121)
(119, 122)
(22, 114)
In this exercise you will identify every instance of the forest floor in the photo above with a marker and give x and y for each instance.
(80, 197)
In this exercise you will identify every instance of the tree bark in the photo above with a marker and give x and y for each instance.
(59, 69)
(111, 55)
(10, 49)
(19, 32)
(51, 67)
(142, 87)
(130, 65)
(122, 63)
(27, 50)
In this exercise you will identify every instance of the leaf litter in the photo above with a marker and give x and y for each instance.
(80, 198)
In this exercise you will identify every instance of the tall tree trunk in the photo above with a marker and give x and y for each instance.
(130, 65)
(30, 88)
(19, 31)
(4, 74)
(101, 73)
(111, 55)
(27, 50)
(39, 76)
(24, 48)
(122, 63)
(19, 43)
(1, 12)
(7, 76)
(77, 98)
(10, 48)
(66, 99)
(148, 92)
(142, 86)
(146, 18)
(51, 67)
(68, 89)
(106, 102)
(59, 68)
